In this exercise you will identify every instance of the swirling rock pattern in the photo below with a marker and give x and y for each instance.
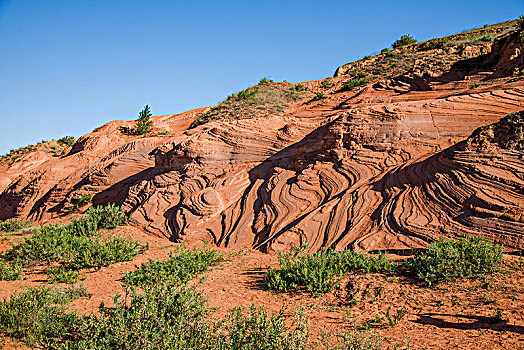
(373, 168)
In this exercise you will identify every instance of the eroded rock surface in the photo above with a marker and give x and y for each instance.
(391, 164)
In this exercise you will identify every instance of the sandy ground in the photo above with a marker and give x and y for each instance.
(455, 315)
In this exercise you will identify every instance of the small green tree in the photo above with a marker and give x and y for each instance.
(144, 124)
(403, 41)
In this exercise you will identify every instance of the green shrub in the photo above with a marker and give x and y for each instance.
(357, 341)
(390, 54)
(448, 259)
(316, 272)
(265, 81)
(319, 96)
(61, 274)
(79, 201)
(181, 266)
(298, 87)
(434, 44)
(76, 245)
(144, 124)
(404, 40)
(326, 84)
(9, 271)
(67, 141)
(384, 50)
(13, 225)
(350, 84)
(38, 315)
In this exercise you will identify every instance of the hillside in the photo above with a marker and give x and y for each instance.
(385, 155)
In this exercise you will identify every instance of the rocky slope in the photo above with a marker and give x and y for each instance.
(381, 156)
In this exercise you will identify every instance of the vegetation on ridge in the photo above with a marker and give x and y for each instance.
(265, 98)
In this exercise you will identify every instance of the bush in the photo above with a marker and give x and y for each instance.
(181, 266)
(319, 96)
(447, 259)
(404, 40)
(79, 201)
(76, 245)
(350, 84)
(39, 315)
(384, 50)
(13, 225)
(316, 272)
(144, 124)
(434, 44)
(61, 274)
(67, 141)
(326, 84)
(9, 271)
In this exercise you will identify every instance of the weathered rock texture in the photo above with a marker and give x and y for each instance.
(377, 167)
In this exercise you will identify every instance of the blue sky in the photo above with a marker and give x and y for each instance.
(67, 67)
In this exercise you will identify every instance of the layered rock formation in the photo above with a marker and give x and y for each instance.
(375, 167)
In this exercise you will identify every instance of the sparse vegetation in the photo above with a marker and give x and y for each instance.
(10, 271)
(404, 40)
(256, 101)
(319, 96)
(316, 272)
(448, 259)
(41, 315)
(476, 85)
(67, 141)
(12, 225)
(77, 202)
(350, 84)
(326, 84)
(144, 124)
(77, 245)
(181, 266)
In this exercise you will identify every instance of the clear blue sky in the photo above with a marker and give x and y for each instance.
(67, 67)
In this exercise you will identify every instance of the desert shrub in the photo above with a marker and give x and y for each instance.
(350, 84)
(9, 271)
(61, 274)
(448, 259)
(67, 141)
(326, 84)
(79, 201)
(181, 266)
(434, 44)
(357, 341)
(319, 96)
(265, 81)
(12, 225)
(384, 50)
(255, 101)
(41, 314)
(76, 245)
(144, 124)
(316, 272)
(298, 87)
(404, 40)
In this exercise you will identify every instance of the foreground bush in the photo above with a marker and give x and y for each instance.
(77, 245)
(182, 265)
(316, 272)
(9, 271)
(448, 259)
(39, 315)
(13, 225)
